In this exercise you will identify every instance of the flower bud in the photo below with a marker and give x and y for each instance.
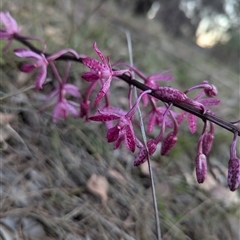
(168, 143)
(201, 167)
(233, 174)
(142, 155)
(207, 142)
(209, 89)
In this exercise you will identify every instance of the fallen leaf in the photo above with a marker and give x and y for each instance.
(5, 118)
(144, 169)
(117, 175)
(98, 185)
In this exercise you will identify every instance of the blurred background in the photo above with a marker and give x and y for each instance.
(63, 181)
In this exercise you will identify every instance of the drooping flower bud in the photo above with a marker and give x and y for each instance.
(233, 174)
(142, 155)
(201, 167)
(209, 89)
(234, 166)
(207, 142)
(168, 143)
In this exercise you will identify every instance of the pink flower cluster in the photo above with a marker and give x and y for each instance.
(121, 124)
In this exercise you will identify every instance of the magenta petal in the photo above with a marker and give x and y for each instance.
(192, 123)
(210, 101)
(99, 53)
(5, 35)
(26, 53)
(119, 141)
(93, 64)
(72, 109)
(104, 118)
(59, 111)
(113, 134)
(141, 157)
(151, 122)
(168, 143)
(41, 77)
(207, 142)
(152, 146)
(27, 68)
(160, 77)
(113, 110)
(100, 95)
(129, 138)
(90, 76)
(72, 90)
(84, 109)
(9, 22)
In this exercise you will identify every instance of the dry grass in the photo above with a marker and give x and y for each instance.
(64, 182)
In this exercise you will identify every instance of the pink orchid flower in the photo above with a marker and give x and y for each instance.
(41, 62)
(10, 25)
(63, 107)
(123, 130)
(100, 71)
(12, 30)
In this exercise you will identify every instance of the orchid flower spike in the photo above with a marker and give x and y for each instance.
(101, 71)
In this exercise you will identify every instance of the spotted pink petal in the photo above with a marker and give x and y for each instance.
(151, 122)
(26, 53)
(192, 123)
(160, 77)
(113, 134)
(72, 90)
(27, 68)
(129, 138)
(233, 174)
(210, 101)
(102, 91)
(168, 143)
(41, 77)
(99, 53)
(9, 22)
(104, 117)
(90, 76)
(59, 111)
(119, 140)
(93, 64)
(71, 108)
(142, 155)
(5, 35)
(207, 142)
